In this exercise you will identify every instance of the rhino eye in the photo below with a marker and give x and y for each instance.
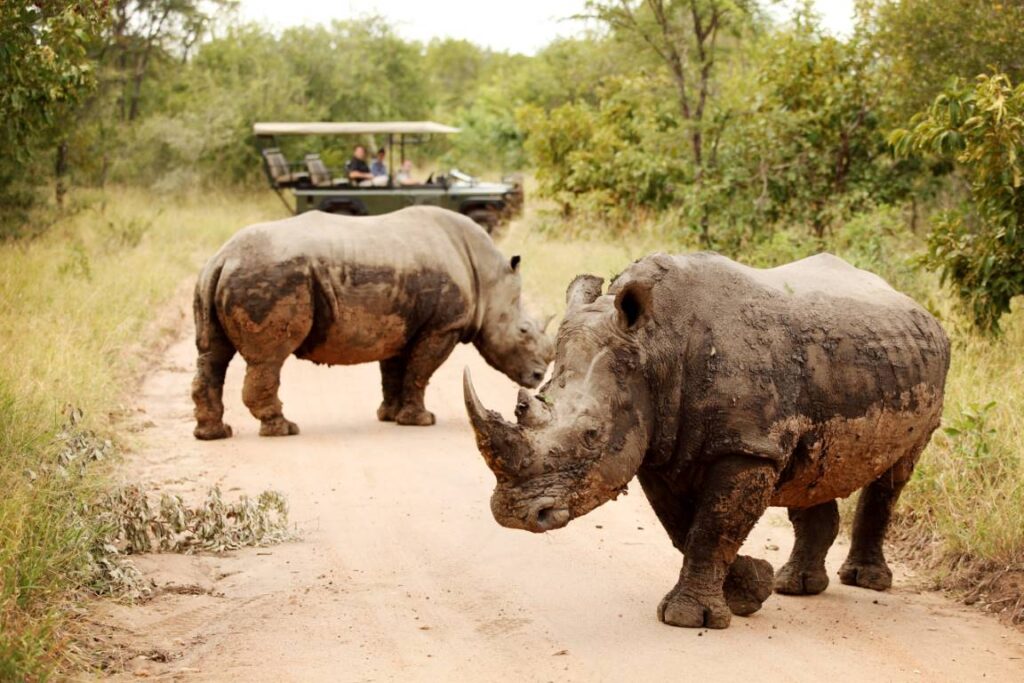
(590, 438)
(524, 328)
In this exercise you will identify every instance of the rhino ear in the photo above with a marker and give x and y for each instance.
(633, 303)
(582, 291)
(515, 263)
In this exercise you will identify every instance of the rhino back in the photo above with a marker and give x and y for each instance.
(372, 283)
(818, 365)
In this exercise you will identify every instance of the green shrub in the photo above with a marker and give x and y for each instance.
(979, 246)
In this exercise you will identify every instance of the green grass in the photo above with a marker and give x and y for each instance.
(76, 311)
(961, 518)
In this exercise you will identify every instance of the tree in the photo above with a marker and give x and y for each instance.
(924, 44)
(622, 154)
(684, 34)
(45, 70)
(979, 247)
(822, 153)
(143, 32)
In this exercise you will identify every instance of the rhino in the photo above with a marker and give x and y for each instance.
(727, 389)
(401, 289)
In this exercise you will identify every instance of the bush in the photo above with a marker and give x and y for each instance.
(615, 158)
(979, 246)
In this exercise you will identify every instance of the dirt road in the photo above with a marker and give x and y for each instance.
(402, 574)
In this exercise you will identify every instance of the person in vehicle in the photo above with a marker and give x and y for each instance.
(356, 169)
(404, 175)
(379, 167)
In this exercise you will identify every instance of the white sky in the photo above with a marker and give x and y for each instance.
(513, 25)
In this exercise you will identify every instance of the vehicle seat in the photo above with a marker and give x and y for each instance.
(319, 176)
(279, 170)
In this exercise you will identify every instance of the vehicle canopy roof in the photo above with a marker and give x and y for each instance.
(352, 128)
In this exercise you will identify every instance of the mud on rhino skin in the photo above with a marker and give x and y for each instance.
(726, 389)
(402, 289)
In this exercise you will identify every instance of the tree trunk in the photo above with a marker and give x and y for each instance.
(60, 171)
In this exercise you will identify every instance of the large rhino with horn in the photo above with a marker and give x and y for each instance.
(725, 390)
(402, 288)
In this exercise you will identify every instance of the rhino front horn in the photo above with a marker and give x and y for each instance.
(500, 442)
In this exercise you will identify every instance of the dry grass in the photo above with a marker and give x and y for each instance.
(75, 303)
(962, 516)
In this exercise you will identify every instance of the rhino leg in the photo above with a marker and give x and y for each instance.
(747, 585)
(674, 512)
(259, 393)
(425, 357)
(215, 353)
(392, 374)
(734, 494)
(865, 566)
(815, 528)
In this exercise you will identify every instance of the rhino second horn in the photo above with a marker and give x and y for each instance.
(500, 443)
(583, 290)
(531, 413)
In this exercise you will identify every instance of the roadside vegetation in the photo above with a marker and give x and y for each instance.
(77, 307)
(670, 125)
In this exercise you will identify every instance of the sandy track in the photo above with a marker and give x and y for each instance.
(402, 574)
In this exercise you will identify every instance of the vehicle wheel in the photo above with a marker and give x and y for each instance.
(486, 218)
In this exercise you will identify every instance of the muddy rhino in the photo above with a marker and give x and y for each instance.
(727, 389)
(402, 289)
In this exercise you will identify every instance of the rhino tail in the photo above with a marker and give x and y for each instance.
(209, 332)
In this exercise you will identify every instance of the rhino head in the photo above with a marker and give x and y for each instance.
(509, 339)
(579, 441)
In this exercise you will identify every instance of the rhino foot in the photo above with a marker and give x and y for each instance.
(875, 575)
(793, 579)
(387, 412)
(211, 432)
(682, 608)
(278, 426)
(415, 416)
(747, 585)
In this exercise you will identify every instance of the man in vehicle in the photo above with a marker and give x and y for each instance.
(378, 167)
(356, 169)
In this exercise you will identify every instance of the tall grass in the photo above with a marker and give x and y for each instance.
(962, 516)
(76, 304)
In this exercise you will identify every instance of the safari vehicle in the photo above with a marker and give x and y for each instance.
(315, 187)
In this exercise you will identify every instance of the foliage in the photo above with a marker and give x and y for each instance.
(820, 154)
(979, 246)
(684, 35)
(43, 65)
(45, 70)
(214, 526)
(792, 137)
(924, 44)
(612, 158)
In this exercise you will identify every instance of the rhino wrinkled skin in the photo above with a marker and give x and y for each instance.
(402, 289)
(727, 389)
